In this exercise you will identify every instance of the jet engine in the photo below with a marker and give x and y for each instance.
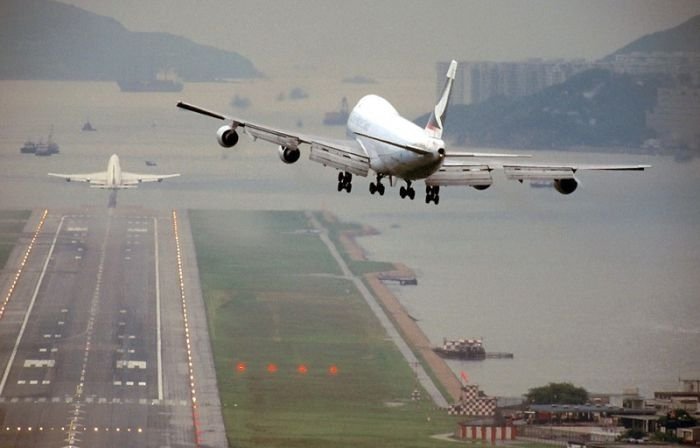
(481, 187)
(565, 186)
(227, 136)
(288, 154)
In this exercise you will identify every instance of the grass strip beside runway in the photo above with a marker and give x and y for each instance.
(11, 224)
(281, 318)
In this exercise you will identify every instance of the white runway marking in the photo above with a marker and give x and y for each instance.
(39, 363)
(159, 344)
(29, 310)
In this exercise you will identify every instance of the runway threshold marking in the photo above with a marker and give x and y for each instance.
(21, 266)
(190, 365)
(31, 303)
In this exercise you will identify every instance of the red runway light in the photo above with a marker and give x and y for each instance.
(241, 367)
(272, 368)
(333, 370)
(302, 369)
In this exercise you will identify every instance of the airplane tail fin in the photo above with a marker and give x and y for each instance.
(436, 122)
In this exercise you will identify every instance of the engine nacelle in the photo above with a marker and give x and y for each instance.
(227, 136)
(565, 186)
(481, 187)
(288, 154)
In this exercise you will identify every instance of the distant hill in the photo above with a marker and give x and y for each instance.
(594, 108)
(684, 37)
(43, 39)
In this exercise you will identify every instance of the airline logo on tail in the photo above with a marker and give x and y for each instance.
(436, 122)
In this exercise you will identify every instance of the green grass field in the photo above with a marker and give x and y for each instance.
(11, 224)
(273, 296)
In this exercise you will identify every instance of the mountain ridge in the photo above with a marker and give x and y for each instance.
(593, 108)
(48, 40)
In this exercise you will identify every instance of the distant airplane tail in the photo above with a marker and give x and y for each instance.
(436, 122)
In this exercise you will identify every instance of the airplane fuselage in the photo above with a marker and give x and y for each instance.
(114, 173)
(381, 131)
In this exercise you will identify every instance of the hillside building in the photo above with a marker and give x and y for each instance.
(676, 118)
(477, 81)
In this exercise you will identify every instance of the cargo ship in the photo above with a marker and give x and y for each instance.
(467, 349)
(162, 81)
(150, 85)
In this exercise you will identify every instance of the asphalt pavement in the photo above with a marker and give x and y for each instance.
(92, 339)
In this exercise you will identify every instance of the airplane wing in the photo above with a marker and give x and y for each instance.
(137, 178)
(460, 154)
(456, 172)
(99, 178)
(346, 155)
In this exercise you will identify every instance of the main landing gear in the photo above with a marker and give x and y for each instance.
(345, 181)
(407, 191)
(378, 187)
(432, 193)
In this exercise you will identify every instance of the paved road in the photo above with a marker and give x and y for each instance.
(92, 342)
(391, 330)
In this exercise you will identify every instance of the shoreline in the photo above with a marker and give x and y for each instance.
(410, 330)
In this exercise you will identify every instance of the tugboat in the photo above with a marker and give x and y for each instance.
(339, 117)
(48, 148)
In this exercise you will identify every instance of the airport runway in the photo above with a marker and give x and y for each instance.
(103, 341)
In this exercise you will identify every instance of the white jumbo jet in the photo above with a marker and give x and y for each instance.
(394, 147)
(114, 178)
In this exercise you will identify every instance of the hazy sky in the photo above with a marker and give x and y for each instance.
(399, 36)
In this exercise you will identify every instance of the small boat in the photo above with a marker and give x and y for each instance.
(28, 148)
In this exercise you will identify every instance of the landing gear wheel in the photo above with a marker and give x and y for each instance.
(345, 181)
(372, 188)
(380, 189)
(432, 194)
(407, 191)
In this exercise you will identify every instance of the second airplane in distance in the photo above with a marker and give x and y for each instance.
(114, 178)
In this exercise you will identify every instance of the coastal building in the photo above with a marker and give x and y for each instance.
(665, 402)
(489, 433)
(689, 435)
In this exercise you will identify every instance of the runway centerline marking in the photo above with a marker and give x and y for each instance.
(74, 427)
